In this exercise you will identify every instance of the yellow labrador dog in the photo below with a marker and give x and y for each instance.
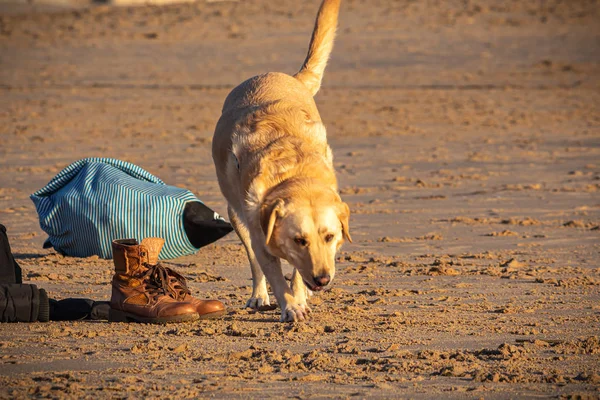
(275, 169)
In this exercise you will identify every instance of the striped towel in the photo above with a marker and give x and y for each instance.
(96, 200)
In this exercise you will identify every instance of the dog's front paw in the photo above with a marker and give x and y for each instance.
(260, 303)
(306, 309)
(301, 303)
(295, 312)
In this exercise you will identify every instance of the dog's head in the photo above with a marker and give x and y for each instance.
(307, 228)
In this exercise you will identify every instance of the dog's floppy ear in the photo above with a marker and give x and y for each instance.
(344, 216)
(268, 217)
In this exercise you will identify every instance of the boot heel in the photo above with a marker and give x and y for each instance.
(117, 316)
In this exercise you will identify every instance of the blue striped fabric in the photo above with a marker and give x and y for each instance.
(95, 200)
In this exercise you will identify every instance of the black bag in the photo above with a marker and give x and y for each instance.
(23, 303)
(18, 302)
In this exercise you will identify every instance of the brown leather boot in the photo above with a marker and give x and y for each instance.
(140, 288)
(206, 309)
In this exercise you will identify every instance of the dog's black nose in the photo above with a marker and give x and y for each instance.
(322, 280)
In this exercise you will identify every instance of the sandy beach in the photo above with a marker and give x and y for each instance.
(466, 138)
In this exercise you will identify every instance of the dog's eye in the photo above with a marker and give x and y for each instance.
(328, 238)
(301, 241)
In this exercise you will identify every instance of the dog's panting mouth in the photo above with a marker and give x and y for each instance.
(313, 287)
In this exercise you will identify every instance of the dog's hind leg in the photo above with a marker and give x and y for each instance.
(260, 295)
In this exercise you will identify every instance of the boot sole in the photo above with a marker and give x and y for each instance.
(213, 315)
(124, 316)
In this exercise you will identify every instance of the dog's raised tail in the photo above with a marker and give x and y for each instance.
(320, 46)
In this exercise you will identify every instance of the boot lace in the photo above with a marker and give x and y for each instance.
(156, 280)
(165, 281)
(178, 283)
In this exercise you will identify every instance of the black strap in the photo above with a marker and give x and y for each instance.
(70, 309)
(10, 272)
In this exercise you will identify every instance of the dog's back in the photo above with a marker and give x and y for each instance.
(267, 89)
(305, 84)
